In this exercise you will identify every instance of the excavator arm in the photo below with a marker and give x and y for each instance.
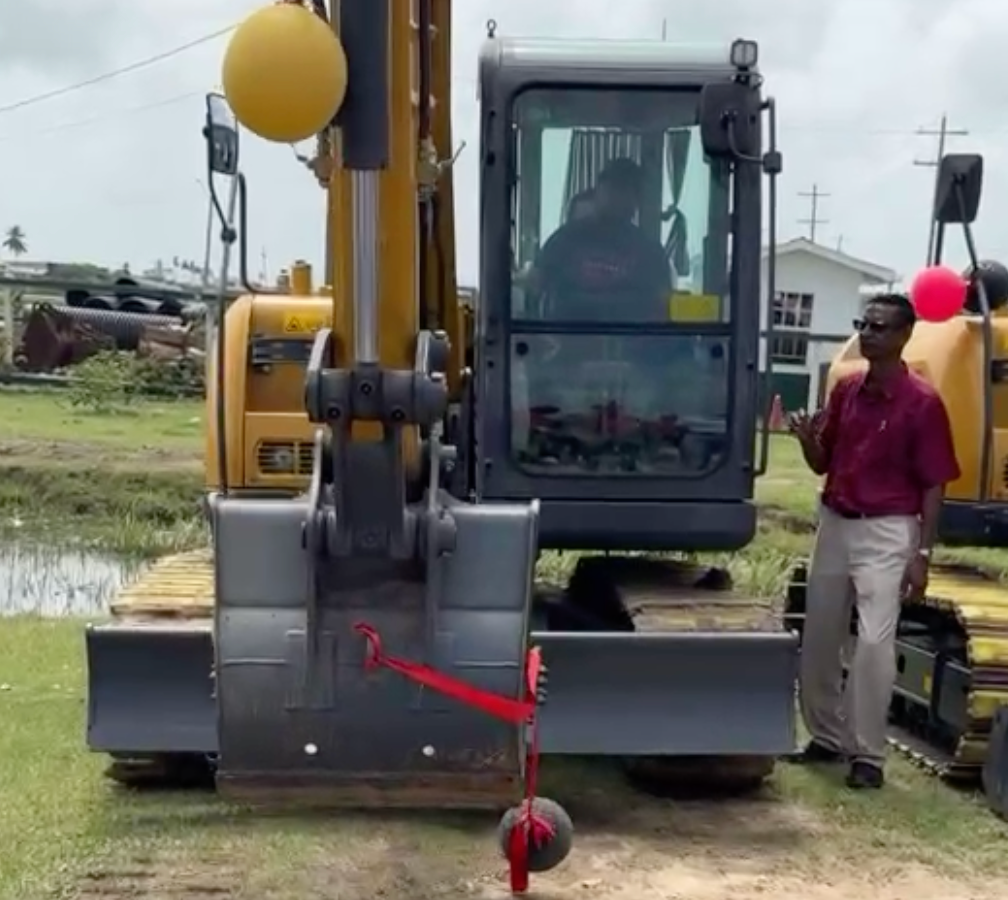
(391, 231)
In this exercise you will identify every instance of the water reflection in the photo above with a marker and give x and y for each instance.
(47, 582)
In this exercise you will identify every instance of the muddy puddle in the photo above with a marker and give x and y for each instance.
(44, 582)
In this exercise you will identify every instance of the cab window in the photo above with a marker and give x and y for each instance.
(619, 244)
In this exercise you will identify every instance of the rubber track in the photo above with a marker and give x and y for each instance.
(978, 606)
(671, 595)
(175, 587)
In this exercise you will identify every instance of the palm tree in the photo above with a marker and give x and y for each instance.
(15, 242)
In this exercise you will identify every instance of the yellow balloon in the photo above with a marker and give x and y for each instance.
(284, 73)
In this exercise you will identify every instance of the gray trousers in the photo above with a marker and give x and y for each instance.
(862, 562)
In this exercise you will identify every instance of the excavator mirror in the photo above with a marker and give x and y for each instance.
(729, 118)
(221, 133)
(960, 184)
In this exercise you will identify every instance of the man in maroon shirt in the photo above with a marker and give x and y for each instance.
(885, 445)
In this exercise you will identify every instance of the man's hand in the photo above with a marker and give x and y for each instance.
(807, 429)
(915, 579)
(802, 426)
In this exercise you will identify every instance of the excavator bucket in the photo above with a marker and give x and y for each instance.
(150, 689)
(302, 718)
(669, 694)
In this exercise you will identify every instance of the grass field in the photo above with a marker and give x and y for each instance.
(131, 483)
(128, 482)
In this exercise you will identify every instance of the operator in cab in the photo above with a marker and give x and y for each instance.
(581, 206)
(600, 266)
(884, 443)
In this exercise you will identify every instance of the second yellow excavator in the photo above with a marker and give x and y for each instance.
(385, 469)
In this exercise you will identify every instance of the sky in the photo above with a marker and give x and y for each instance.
(113, 173)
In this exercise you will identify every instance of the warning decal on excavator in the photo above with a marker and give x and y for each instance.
(295, 324)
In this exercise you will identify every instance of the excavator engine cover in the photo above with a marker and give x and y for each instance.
(300, 718)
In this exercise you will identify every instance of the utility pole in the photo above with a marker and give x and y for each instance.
(813, 221)
(942, 132)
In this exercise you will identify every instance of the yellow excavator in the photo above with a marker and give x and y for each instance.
(386, 463)
(950, 707)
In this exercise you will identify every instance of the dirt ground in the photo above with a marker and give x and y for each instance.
(705, 851)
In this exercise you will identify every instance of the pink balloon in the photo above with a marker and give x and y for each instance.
(938, 293)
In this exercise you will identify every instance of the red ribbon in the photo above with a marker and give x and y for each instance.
(530, 829)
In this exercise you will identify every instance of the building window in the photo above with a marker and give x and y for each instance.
(789, 349)
(792, 310)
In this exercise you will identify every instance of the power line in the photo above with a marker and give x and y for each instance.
(943, 133)
(818, 127)
(115, 73)
(104, 117)
(815, 195)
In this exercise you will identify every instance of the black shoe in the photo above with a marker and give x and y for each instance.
(864, 775)
(815, 752)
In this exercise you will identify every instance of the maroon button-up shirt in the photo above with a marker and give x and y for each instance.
(886, 445)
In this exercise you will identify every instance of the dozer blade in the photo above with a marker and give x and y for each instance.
(150, 689)
(669, 694)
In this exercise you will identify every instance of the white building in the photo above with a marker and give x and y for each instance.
(819, 293)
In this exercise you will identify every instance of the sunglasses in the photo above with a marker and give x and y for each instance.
(863, 325)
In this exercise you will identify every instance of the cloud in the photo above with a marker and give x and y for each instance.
(62, 39)
(112, 173)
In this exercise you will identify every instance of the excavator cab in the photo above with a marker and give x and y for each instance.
(618, 380)
(619, 377)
